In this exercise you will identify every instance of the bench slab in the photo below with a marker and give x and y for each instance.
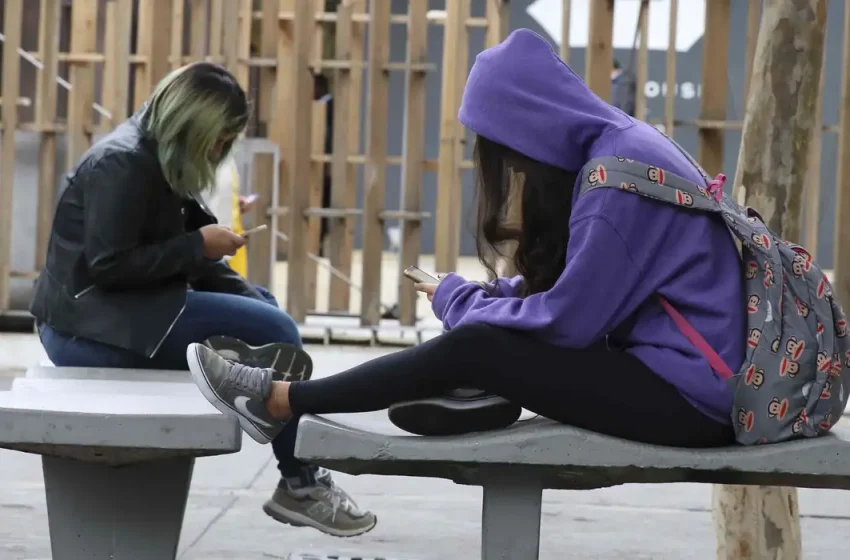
(563, 457)
(110, 374)
(113, 416)
(119, 448)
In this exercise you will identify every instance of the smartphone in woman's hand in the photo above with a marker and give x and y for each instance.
(420, 276)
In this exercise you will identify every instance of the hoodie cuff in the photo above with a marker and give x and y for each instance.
(442, 294)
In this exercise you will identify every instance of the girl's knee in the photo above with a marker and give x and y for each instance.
(472, 330)
(267, 295)
(468, 334)
(284, 329)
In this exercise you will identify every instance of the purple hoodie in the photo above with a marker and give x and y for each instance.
(623, 249)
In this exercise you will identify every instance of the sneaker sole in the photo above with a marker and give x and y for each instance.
(294, 519)
(299, 365)
(447, 417)
(222, 406)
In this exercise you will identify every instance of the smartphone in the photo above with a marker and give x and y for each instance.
(252, 231)
(251, 198)
(418, 275)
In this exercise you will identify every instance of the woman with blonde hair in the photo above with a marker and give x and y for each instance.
(135, 270)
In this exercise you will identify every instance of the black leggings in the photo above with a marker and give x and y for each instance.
(602, 390)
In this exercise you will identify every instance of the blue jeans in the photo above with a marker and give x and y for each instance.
(206, 314)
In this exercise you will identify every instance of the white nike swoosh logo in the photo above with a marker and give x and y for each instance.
(241, 407)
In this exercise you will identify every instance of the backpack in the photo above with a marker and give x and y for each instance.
(793, 382)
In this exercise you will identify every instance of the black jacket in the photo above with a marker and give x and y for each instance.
(124, 249)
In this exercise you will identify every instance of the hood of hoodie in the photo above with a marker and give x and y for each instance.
(521, 94)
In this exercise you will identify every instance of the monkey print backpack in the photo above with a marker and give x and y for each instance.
(793, 382)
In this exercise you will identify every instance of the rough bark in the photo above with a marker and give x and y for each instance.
(757, 523)
(760, 522)
(781, 112)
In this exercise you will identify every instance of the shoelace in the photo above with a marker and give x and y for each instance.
(338, 500)
(249, 379)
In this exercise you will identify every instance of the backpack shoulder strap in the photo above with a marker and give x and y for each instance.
(688, 156)
(648, 181)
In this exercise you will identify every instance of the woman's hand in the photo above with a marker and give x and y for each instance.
(427, 289)
(220, 241)
(245, 203)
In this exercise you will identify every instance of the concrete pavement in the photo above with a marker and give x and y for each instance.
(419, 519)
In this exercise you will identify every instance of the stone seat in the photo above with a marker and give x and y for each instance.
(514, 465)
(118, 448)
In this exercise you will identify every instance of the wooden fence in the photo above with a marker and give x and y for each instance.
(119, 49)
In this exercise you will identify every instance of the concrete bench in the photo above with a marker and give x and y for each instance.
(514, 465)
(118, 448)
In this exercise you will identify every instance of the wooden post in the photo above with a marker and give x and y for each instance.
(755, 522)
(276, 40)
(599, 56)
(317, 171)
(81, 73)
(269, 30)
(449, 186)
(565, 30)
(46, 94)
(13, 19)
(498, 17)
(642, 61)
(153, 45)
(198, 29)
(230, 37)
(413, 153)
(347, 96)
(841, 244)
(376, 161)
(107, 79)
(243, 48)
(670, 77)
(216, 28)
(300, 82)
(116, 82)
(259, 249)
(178, 16)
(715, 81)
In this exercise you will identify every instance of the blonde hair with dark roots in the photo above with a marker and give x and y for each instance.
(188, 113)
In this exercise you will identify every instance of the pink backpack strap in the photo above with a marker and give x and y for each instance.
(714, 360)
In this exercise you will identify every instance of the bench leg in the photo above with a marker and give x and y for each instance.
(510, 520)
(100, 512)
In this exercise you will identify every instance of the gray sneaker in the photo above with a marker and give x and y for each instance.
(288, 362)
(232, 387)
(322, 505)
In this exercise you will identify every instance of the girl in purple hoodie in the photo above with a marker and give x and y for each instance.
(579, 336)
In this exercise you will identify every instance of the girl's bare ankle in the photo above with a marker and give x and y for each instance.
(278, 401)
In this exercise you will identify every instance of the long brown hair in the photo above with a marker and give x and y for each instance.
(506, 177)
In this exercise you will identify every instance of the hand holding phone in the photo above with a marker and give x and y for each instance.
(420, 276)
(252, 231)
(425, 283)
(246, 202)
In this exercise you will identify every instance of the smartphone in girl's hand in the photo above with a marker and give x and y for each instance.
(420, 276)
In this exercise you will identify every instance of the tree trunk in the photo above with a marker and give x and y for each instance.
(759, 522)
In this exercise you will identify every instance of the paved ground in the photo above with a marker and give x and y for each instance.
(418, 519)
